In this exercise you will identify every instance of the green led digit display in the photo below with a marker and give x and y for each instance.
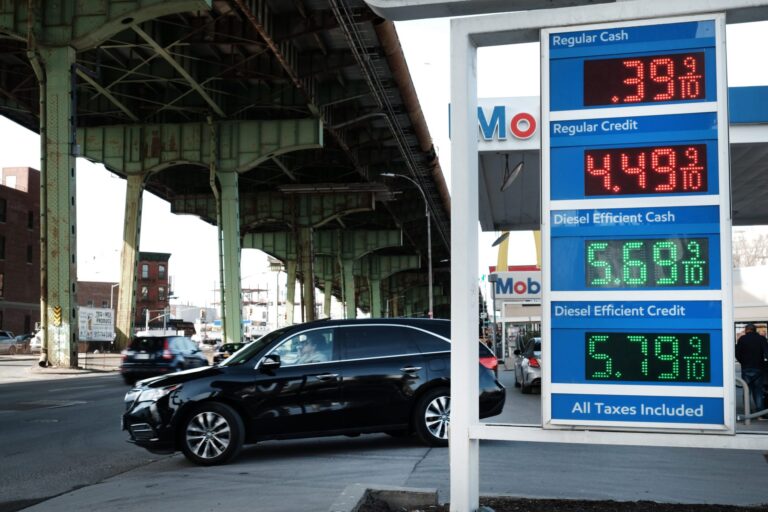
(647, 263)
(657, 357)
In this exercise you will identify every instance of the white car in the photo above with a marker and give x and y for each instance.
(528, 366)
(36, 343)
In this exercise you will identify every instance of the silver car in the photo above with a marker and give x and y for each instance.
(528, 366)
(8, 343)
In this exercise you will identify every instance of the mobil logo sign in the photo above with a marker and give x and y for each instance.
(508, 123)
(518, 285)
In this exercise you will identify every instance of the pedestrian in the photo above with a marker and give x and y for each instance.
(752, 353)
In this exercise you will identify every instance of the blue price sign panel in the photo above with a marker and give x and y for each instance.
(636, 228)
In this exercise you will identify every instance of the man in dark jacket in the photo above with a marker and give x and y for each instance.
(752, 352)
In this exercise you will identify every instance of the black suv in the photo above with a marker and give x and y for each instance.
(149, 356)
(321, 378)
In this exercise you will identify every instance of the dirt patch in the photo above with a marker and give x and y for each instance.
(526, 505)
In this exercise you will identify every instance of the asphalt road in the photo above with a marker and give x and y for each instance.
(61, 439)
(59, 434)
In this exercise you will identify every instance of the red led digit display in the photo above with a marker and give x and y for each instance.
(648, 79)
(647, 170)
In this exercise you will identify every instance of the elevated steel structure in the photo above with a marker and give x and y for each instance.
(260, 116)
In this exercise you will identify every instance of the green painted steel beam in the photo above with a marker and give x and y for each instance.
(280, 245)
(356, 244)
(381, 267)
(58, 212)
(85, 24)
(242, 145)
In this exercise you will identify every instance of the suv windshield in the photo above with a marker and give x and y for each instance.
(253, 348)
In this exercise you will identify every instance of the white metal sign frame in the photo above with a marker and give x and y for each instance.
(467, 34)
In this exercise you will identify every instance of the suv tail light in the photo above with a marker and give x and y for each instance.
(533, 362)
(489, 362)
(167, 350)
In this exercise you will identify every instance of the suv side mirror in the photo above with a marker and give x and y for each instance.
(270, 362)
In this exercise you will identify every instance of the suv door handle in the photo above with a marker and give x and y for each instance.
(410, 369)
(327, 376)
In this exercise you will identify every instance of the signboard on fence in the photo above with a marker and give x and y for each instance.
(96, 324)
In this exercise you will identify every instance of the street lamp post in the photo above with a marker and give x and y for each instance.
(429, 233)
(111, 294)
(492, 278)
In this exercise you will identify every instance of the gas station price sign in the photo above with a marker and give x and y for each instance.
(670, 168)
(656, 262)
(645, 79)
(636, 290)
(655, 357)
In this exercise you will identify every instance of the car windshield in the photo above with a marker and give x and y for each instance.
(253, 348)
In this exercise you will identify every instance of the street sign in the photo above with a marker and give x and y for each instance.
(637, 293)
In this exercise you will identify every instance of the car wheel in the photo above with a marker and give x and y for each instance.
(129, 380)
(212, 434)
(432, 417)
(12, 350)
(526, 390)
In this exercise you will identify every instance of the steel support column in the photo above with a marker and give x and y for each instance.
(290, 297)
(347, 268)
(230, 257)
(307, 257)
(375, 297)
(59, 240)
(126, 297)
(327, 293)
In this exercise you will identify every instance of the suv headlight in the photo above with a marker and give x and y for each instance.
(155, 394)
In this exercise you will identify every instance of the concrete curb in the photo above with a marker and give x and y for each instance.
(406, 498)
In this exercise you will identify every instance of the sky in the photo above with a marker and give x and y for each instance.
(502, 72)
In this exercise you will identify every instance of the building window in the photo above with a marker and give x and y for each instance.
(27, 323)
(3, 209)
(145, 271)
(30, 254)
(144, 293)
(31, 220)
(2, 286)
(161, 293)
(89, 304)
(161, 271)
(104, 304)
(2, 247)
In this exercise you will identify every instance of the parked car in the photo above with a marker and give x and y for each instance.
(225, 350)
(8, 343)
(321, 378)
(148, 356)
(528, 366)
(22, 342)
(36, 343)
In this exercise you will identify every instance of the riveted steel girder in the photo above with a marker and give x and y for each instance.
(126, 299)
(230, 256)
(382, 266)
(355, 244)
(280, 245)
(57, 211)
(242, 145)
(84, 24)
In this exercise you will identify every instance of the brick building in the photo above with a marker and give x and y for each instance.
(19, 249)
(97, 294)
(153, 287)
